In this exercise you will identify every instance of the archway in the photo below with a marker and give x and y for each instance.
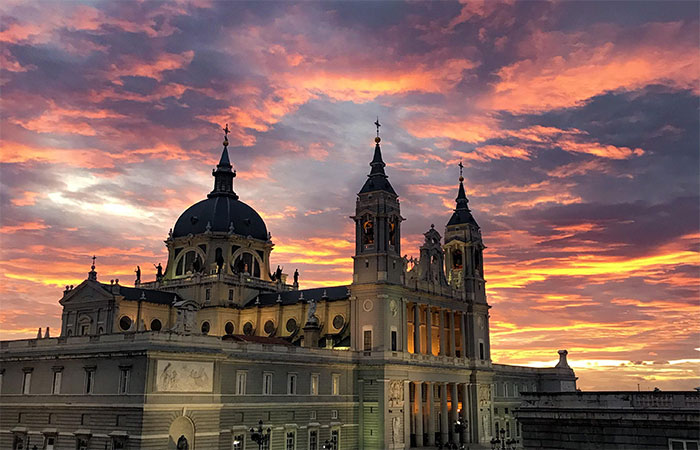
(181, 431)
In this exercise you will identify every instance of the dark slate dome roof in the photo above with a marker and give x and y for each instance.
(219, 212)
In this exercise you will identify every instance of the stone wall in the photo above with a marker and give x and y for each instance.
(609, 420)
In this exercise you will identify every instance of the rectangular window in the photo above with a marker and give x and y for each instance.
(207, 296)
(312, 415)
(84, 329)
(394, 339)
(26, 382)
(290, 440)
(335, 439)
(241, 378)
(50, 442)
(314, 384)
(267, 383)
(505, 390)
(336, 384)
(230, 295)
(482, 355)
(368, 341)
(89, 381)
(334, 414)
(238, 442)
(82, 443)
(313, 440)
(291, 384)
(124, 375)
(56, 386)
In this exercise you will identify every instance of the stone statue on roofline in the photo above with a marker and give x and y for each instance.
(311, 318)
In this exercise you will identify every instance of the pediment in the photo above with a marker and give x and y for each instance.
(87, 291)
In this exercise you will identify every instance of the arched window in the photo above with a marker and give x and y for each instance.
(246, 263)
(228, 328)
(188, 263)
(367, 230)
(457, 259)
(392, 231)
(205, 327)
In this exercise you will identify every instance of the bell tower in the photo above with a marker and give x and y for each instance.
(464, 250)
(377, 227)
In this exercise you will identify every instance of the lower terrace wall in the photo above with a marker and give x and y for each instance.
(610, 420)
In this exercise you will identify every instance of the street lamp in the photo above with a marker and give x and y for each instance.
(460, 427)
(259, 435)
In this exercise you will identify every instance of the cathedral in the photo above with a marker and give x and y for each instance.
(223, 351)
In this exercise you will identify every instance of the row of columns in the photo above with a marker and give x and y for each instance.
(444, 349)
(423, 412)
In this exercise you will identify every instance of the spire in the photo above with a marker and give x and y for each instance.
(224, 173)
(377, 178)
(92, 275)
(462, 200)
(462, 212)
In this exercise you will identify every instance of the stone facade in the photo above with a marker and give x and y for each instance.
(610, 420)
(219, 341)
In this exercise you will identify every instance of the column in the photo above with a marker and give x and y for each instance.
(404, 326)
(407, 413)
(453, 413)
(416, 329)
(444, 426)
(429, 330)
(442, 332)
(419, 413)
(465, 411)
(453, 341)
(465, 334)
(430, 387)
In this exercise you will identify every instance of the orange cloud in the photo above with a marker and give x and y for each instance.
(561, 70)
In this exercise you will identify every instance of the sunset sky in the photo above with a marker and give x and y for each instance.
(577, 123)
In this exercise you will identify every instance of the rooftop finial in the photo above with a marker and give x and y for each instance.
(461, 167)
(92, 275)
(377, 124)
(226, 132)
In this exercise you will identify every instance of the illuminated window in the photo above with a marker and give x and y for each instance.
(124, 375)
(291, 384)
(56, 385)
(241, 377)
(336, 384)
(238, 441)
(314, 384)
(27, 381)
(89, 380)
(367, 341)
(267, 383)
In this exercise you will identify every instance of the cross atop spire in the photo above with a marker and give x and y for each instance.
(377, 124)
(461, 167)
(92, 275)
(226, 132)
(224, 173)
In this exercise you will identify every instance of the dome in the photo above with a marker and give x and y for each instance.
(219, 212)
